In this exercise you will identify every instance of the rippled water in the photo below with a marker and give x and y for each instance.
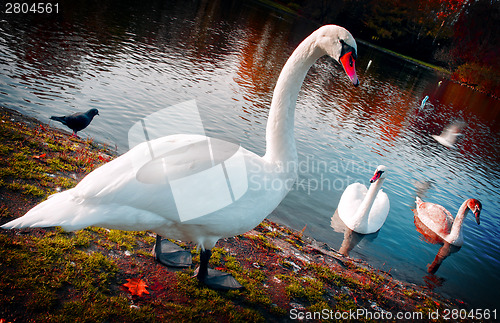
(130, 59)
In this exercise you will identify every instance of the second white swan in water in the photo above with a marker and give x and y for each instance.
(365, 210)
(174, 187)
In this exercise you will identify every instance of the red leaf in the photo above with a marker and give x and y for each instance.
(39, 156)
(136, 286)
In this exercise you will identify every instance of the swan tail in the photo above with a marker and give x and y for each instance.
(61, 209)
(72, 212)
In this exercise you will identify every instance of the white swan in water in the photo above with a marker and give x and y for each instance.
(134, 192)
(365, 210)
(438, 223)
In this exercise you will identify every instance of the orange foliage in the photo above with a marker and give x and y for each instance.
(136, 286)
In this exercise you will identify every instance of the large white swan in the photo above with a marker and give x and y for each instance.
(365, 210)
(437, 224)
(139, 191)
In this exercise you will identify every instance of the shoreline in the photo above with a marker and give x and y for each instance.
(51, 275)
(409, 59)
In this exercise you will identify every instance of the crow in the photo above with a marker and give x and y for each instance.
(77, 121)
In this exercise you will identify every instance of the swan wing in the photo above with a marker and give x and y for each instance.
(349, 202)
(435, 217)
(152, 162)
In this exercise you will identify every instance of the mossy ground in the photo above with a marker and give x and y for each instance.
(49, 275)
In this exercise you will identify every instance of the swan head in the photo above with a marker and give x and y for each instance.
(339, 44)
(475, 206)
(379, 173)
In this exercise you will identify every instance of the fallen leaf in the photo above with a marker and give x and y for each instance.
(136, 286)
(40, 156)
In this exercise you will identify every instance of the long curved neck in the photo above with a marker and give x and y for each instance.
(456, 228)
(364, 208)
(280, 141)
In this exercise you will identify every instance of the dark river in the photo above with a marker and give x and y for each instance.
(130, 59)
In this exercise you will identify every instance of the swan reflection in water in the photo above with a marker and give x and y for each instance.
(431, 237)
(351, 238)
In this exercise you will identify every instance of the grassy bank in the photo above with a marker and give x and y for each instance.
(49, 275)
(408, 58)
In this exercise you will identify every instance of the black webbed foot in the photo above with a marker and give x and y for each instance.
(215, 279)
(171, 255)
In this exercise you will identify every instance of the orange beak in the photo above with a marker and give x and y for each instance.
(347, 62)
(377, 174)
(476, 212)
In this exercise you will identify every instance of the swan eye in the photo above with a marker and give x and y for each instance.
(346, 49)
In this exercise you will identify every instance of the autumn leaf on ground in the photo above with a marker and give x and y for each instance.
(136, 286)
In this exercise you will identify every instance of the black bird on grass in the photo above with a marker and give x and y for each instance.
(77, 121)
